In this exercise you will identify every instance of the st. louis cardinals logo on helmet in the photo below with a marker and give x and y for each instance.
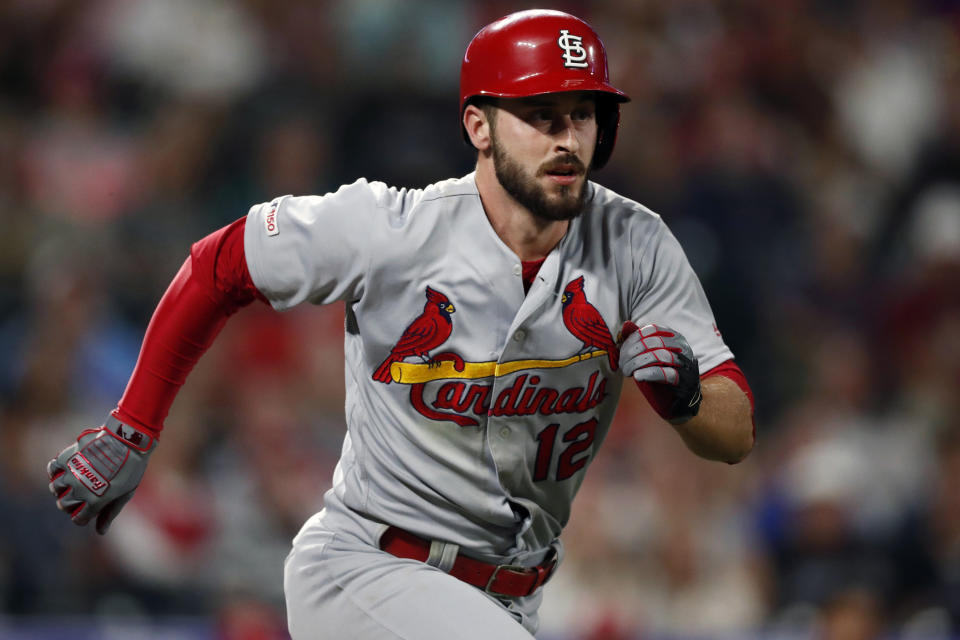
(574, 55)
(446, 387)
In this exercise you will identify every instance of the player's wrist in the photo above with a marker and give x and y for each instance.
(688, 392)
(123, 415)
(686, 408)
(133, 436)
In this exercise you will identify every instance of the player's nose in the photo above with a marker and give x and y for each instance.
(566, 134)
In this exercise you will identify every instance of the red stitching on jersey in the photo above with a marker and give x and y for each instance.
(416, 399)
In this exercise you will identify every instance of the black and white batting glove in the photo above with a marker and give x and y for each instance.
(98, 475)
(661, 356)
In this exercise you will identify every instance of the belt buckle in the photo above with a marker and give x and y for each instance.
(502, 567)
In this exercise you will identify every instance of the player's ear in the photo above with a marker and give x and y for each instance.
(477, 125)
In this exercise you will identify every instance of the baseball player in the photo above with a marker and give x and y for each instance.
(490, 323)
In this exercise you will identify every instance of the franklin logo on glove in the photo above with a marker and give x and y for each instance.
(106, 466)
(91, 479)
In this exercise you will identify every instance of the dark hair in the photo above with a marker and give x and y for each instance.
(487, 104)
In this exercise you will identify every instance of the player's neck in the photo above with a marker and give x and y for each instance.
(529, 236)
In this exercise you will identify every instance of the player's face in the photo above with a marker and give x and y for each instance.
(542, 149)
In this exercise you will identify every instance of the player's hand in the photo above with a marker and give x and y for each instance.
(96, 476)
(661, 360)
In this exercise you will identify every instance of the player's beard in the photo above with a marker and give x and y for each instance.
(566, 205)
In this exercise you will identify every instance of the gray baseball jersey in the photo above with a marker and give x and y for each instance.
(474, 409)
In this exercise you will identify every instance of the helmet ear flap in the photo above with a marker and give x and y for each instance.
(608, 123)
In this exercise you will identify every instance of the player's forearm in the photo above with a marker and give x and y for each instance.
(184, 324)
(723, 428)
(212, 284)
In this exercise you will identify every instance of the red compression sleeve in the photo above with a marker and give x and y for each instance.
(212, 284)
(660, 397)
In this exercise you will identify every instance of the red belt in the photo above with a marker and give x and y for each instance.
(496, 579)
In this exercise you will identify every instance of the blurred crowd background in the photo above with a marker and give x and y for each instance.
(805, 152)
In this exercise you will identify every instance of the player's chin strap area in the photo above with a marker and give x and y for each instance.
(497, 580)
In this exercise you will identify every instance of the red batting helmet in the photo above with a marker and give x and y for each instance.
(540, 51)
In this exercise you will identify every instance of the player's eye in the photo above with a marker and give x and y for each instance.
(541, 115)
(585, 113)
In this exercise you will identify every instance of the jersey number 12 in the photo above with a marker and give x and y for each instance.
(578, 440)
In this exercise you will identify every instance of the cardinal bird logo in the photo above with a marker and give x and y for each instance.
(585, 323)
(428, 331)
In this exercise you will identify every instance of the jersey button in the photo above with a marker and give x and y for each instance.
(517, 270)
(519, 335)
(505, 432)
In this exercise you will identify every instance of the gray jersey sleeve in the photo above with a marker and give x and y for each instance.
(317, 248)
(669, 293)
